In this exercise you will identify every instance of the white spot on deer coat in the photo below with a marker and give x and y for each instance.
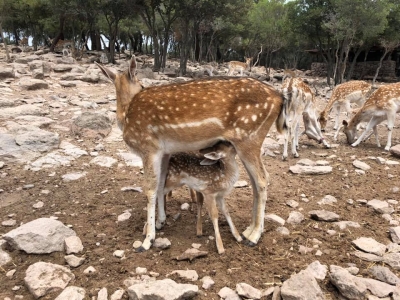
(254, 118)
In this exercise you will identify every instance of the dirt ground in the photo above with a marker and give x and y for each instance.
(272, 261)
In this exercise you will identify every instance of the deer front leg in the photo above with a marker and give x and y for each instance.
(371, 124)
(161, 216)
(285, 144)
(213, 213)
(225, 211)
(259, 180)
(295, 139)
(337, 118)
(155, 173)
(390, 125)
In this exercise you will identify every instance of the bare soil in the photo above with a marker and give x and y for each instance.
(273, 260)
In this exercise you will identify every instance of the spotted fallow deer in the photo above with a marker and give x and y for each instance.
(24, 42)
(238, 65)
(162, 120)
(212, 175)
(301, 102)
(382, 105)
(355, 91)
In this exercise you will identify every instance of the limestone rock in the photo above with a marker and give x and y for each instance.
(369, 245)
(42, 278)
(247, 291)
(33, 84)
(310, 170)
(324, 215)
(72, 293)
(395, 150)
(165, 289)
(39, 236)
(302, 286)
(73, 244)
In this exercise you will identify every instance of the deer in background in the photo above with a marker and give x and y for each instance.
(162, 120)
(382, 105)
(24, 42)
(212, 175)
(355, 91)
(238, 65)
(301, 102)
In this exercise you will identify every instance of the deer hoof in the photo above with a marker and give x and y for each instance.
(248, 242)
(140, 249)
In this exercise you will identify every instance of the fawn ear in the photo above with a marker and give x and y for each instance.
(108, 73)
(214, 155)
(208, 162)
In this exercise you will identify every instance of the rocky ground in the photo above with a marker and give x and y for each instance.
(332, 235)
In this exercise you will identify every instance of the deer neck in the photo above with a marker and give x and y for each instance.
(126, 92)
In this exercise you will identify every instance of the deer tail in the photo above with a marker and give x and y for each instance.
(280, 123)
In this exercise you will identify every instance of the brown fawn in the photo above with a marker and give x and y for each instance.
(180, 117)
(301, 102)
(238, 65)
(355, 91)
(212, 175)
(382, 105)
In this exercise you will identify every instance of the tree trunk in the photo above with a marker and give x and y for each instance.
(353, 63)
(61, 32)
(379, 66)
(4, 41)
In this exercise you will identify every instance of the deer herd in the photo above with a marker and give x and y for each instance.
(190, 133)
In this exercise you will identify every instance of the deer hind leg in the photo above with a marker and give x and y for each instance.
(250, 156)
(199, 223)
(225, 211)
(337, 118)
(390, 124)
(155, 170)
(213, 212)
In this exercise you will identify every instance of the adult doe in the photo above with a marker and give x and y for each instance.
(162, 120)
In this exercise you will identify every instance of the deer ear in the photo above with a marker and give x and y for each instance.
(132, 68)
(214, 155)
(345, 123)
(109, 74)
(208, 162)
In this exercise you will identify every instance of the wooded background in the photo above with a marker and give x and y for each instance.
(276, 33)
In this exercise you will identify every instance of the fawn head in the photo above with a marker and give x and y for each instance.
(220, 151)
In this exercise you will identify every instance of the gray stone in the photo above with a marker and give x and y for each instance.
(190, 275)
(384, 274)
(367, 256)
(310, 170)
(274, 218)
(73, 176)
(102, 294)
(74, 261)
(73, 244)
(369, 245)
(324, 215)
(344, 224)
(103, 161)
(165, 289)
(38, 140)
(301, 286)
(42, 278)
(228, 294)
(90, 124)
(380, 206)
(361, 165)
(72, 293)
(162, 243)
(347, 284)
(395, 234)
(5, 258)
(21, 110)
(247, 291)
(393, 260)
(59, 68)
(117, 295)
(207, 282)
(40, 236)
(283, 230)
(317, 270)
(33, 84)
(328, 199)
(295, 218)
(7, 72)
(395, 150)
